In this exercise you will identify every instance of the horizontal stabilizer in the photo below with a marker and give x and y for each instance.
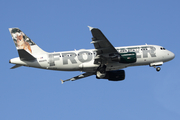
(16, 66)
(24, 55)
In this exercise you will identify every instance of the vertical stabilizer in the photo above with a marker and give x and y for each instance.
(23, 42)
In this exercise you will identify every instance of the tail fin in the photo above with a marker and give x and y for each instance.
(23, 42)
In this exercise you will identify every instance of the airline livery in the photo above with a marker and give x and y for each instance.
(105, 61)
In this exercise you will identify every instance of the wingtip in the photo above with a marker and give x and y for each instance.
(90, 28)
(62, 81)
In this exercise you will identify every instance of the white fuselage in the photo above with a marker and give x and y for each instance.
(83, 60)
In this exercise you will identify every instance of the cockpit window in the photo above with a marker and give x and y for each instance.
(162, 48)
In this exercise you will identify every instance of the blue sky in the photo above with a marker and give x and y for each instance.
(29, 93)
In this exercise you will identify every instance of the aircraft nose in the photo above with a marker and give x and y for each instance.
(171, 55)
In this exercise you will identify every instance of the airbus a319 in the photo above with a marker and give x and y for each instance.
(105, 61)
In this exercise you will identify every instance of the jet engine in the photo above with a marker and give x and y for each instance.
(114, 75)
(129, 57)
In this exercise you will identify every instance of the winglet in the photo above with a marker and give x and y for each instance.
(62, 81)
(90, 28)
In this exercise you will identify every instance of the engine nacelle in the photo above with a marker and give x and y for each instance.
(129, 57)
(115, 75)
(116, 58)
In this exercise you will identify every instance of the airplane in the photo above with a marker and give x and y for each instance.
(105, 61)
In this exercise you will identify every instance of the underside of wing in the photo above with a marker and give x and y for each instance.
(101, 43)
(103, 47)
(87, 74)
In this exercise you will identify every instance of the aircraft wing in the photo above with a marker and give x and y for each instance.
(87, 74)
(102, 45)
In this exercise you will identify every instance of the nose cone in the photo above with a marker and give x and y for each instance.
(171, 55)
